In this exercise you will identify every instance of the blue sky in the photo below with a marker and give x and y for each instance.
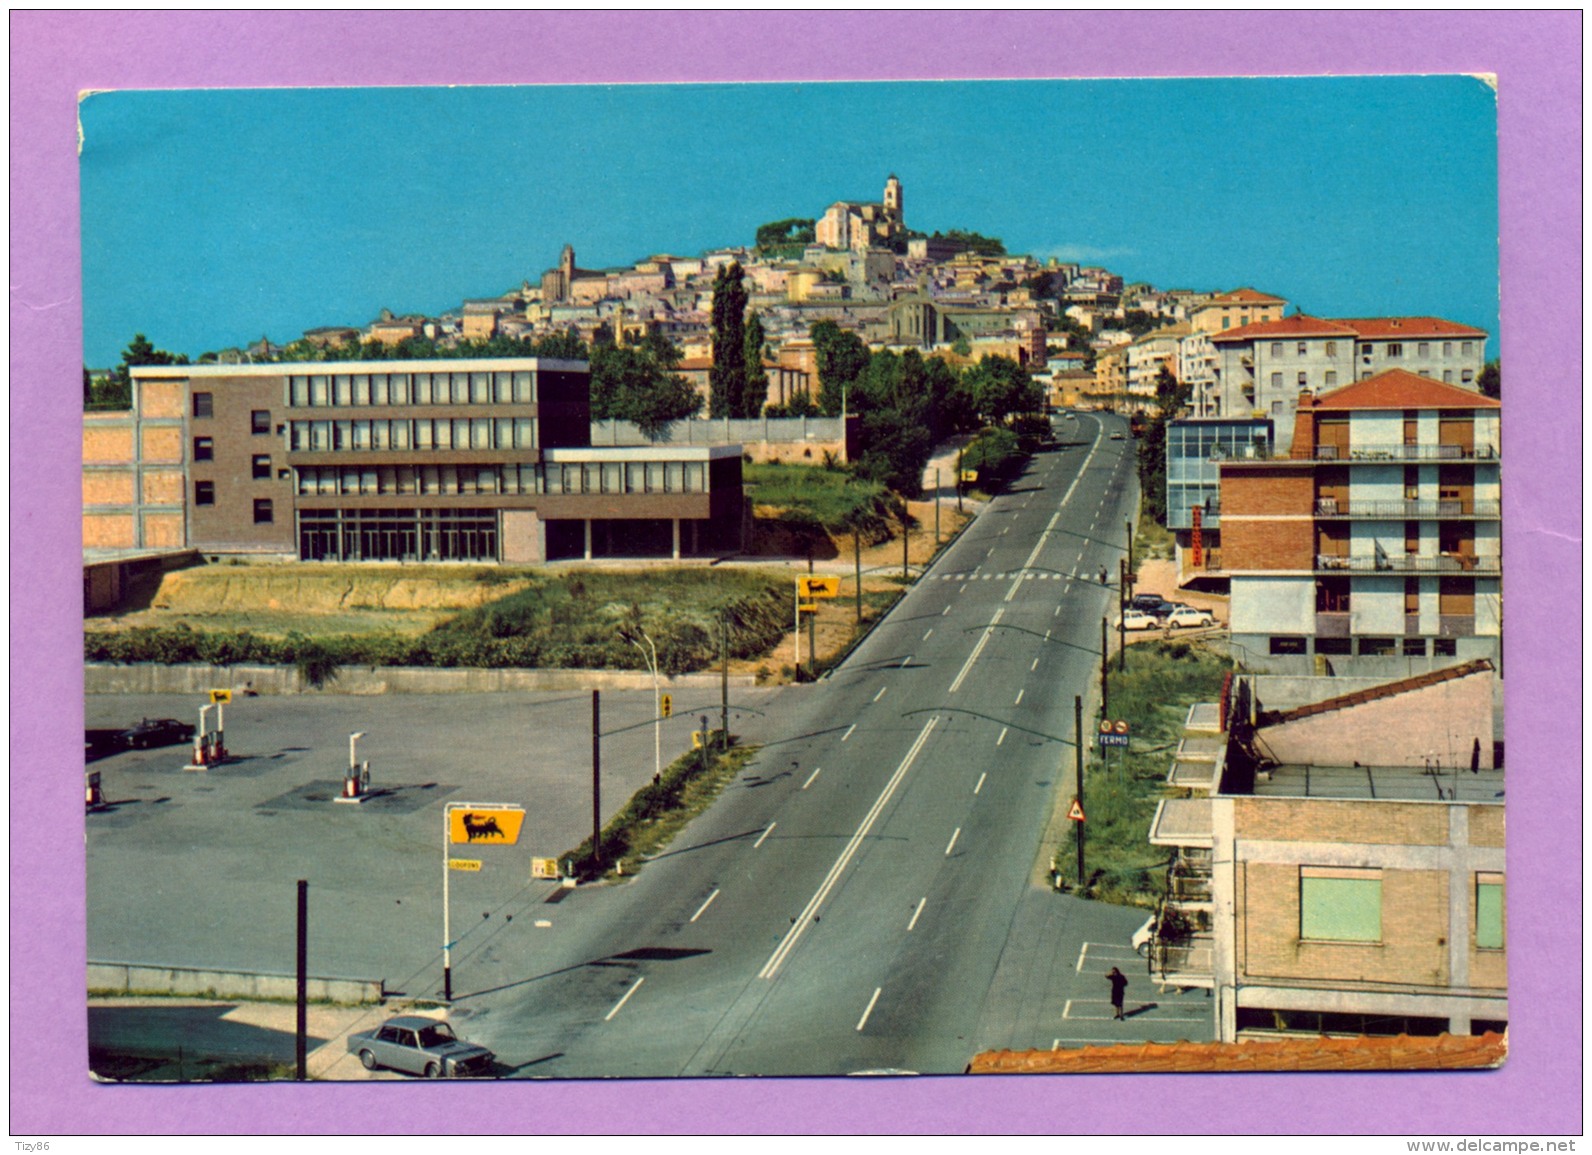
(213, 217)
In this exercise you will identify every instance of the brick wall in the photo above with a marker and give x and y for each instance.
(1267, 545)
(162, 399)
(106, 444)
(1267, 489)
(1487, 826)
(1413, 949)
(108, 487)
(108, 531)
(1319, 820)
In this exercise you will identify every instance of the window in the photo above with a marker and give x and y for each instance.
(1489, 911)
(260, 421)
(1465, 347)
(1304, 380)
(1276, 408)
(1423, 349)
(203, 405)
(262, 511)
(1332, 348)
(204, 449)
(1444, 648)
(1394, 349)
(1301, 349)
(1334, 647)
(1376, 647)
(262, 466)
(1332, 378)
(1226, 321)
(1340, 904)
(204, 493)
(1448, 376)
(1287, 645)
(1414, 647)
(1467, 376)
(1276, 348)
(1276, 380)
(1448, 348)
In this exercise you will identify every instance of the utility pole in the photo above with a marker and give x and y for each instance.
(936, 508)
(724, 680)
(1122, 624)
(1105, 666)
(596, 778)
(856, 558)
(301, 1028)
(1132, 575)
(904, 541)
(1078, 762)
(812, 631)
(958, 479)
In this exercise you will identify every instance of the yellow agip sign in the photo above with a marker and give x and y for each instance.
(486, 825)
(818, 587)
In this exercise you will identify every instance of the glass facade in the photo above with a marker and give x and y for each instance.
(1194, 453)
(398, 535)
(353, 390)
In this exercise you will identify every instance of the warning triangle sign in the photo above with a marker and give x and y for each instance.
(1076, 813)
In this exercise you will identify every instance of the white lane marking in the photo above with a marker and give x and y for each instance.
(863, 1021)
(811, 776)
(769, 828)
(1002, 738)
(626, 999)
(1034, 667)
(931, 628)
(977, 650)
(908, 658)
(1066, 1010)
(709, 901)
(955, 834)
(1006, 531)
(1057, 614)
(880, 694)
(771, 967)
(1083, 953)
(847, 734)
(1019, 701)
(917, 912)
(947, 609)
(980, 785)
(1047, 632)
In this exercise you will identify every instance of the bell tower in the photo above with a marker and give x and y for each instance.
(893, 209)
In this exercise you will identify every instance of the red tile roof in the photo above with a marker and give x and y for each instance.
(1365, 1053)
(1382, 328)
(1298, 325)
(1401, 389)
(1376, 693)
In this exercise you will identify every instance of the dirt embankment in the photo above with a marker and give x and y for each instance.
(240, 589)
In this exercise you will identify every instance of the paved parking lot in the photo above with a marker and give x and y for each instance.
(199, 868)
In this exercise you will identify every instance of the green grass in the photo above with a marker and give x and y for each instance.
(1162, 680)
(659, 811)
(831, 498)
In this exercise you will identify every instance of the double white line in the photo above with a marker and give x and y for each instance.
(771, 967)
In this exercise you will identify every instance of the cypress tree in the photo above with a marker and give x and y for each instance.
(727, 379)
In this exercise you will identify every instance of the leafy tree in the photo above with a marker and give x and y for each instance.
(1001, 387)
(977, 242)
(756, 376)
(727, 378)
(791, 231)
(842, 358)
(1491, 379)
(1138, 322)
(801, 405)
(116, 391)
(962, 347)
(637, 383)
(897, 450)
(88, 388)
(1171, 398)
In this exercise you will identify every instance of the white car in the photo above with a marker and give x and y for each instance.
(1135, 620)
(1188, 616)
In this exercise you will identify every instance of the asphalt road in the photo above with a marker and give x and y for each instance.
(868, 895)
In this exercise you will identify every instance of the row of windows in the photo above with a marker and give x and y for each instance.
(517, 387)
(419, 433)
(1369, 647)
(204, 405)
(204, 493)
(1392, 349)
(204, 449)
(1344, 904)
(1330, 379)
(447, 480)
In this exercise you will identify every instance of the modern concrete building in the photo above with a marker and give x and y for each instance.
(1261, 368)
(1376, 543)
(1195, 451)
(1338, 865)
(1235, 309)
(472, 460)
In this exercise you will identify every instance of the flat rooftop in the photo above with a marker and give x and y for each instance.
(1385, 783)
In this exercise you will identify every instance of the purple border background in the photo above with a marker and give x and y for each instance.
(1536, 56)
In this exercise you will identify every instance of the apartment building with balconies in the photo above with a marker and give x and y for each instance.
(485, 460)
(1337, 859)
(1375, 546)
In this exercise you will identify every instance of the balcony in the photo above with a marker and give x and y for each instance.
(1456, 625)
(1385, 453)
(1409, 564)
(1407, 510)
(1184, 962)
(1332, 624)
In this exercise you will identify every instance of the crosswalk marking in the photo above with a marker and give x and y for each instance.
(1014, 574)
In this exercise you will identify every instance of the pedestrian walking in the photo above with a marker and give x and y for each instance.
(1119, 985)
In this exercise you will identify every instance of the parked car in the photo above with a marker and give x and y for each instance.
(1118, 436)
(156, 732)
(1137, 620)
(417, 1045)
(1188, 616)
(1153, 604)
(1143, 937)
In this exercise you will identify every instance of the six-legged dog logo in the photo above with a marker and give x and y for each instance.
(477, 828)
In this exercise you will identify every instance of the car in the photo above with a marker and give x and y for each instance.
(156, 732)
(1144, 937)
(418, 1045)
(1118, 436)
(1153, 604)
(1188, 616)
(1137, 620)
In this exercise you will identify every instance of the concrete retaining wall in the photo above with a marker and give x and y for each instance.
(146, 979)
(148, 678)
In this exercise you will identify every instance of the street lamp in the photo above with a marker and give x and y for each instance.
(650, 656)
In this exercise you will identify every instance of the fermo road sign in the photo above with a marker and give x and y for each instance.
(818, 587)
(1113, 733)
(486, 825)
